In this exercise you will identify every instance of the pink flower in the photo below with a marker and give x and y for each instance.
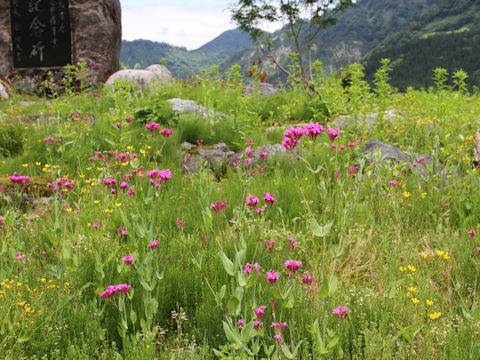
(152, 127)
(352, 170)
(218, 205)
(269, 199)
(248, 268)
(91, 159)
(123, 288)
(278, 338)
(263, 155)
(333, 133)
(128, 119)
(272, 277)
(307, 279)
(471, 232)
(292, 265)
(241, 322)
(96, 224)
(121, 231)
(180, 223)
(128, 259)
(351, 145)
(393, 182)
(43, 254)
(166, 132)
(313, 130)
(420, 160)
(250, 142)
(18, 179)
(130, 192)
(332, 147)
(157, 177)
(256, 325)
(269, 244)
(109, 292)
(341, 311)
(338, 174)
(340, 147)
(153, 245)
(118, 125)
(292, 243)
(260, 312)
(1, 221)
(252, 201)
(292, 137)
(478, 248)
(19, 255)
(249, 152)
(259, 211)
(279, 325)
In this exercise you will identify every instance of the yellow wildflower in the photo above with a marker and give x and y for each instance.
(403, 268)
(424, 255)
(435, 315)
(429, 302)
(446, 256)
(415, 300)
(406, 194)
(411, 268)
(412, 289)
(440, 253)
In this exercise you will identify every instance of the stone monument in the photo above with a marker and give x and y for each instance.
(37, 36)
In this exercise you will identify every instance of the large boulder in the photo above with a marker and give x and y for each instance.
(161, 72)
(146, 79)
(142, 78)
(215, 155)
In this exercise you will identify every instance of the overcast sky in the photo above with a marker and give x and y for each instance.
(189, 23)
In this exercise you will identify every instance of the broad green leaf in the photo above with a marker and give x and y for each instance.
(325, 286)
(333, 285)
(286, 352)
(317, 230)
(227, 263)
(234, 305)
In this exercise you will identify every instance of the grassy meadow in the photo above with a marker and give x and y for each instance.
(110, 250)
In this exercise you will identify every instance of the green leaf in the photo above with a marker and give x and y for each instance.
(317, 230)
(286, 351)
(227, 263)
(234, 305)
(246, 333)
(232, 337)
(333, 285)
(325, 287)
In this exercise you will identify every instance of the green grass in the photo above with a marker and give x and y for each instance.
(379, 249)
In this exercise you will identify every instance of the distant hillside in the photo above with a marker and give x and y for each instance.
(181, 62)
(359, 30)
(230, 41)
(447, 36)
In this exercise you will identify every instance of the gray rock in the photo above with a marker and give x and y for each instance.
(161, 72)
(476, 147)
(394, 155)
(215, 157)
(3, 92)
(263, 89)
(143, 79)
(188, 107)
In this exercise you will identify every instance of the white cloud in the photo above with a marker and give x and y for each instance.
(175, 24)
(186, 23)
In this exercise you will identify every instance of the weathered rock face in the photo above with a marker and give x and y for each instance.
(97, 34)
(264, 89)
(95, 31)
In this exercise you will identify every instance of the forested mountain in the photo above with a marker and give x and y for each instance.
(447, 36)
(231, 41)
(181, 62)
(417, 35)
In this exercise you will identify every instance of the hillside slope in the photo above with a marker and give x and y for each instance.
(447, 36)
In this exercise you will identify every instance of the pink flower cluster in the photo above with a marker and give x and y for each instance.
(125, 157)
(152, 127)
(293, 135)
(252, 201)
(272, 277)
(154, 244)
(18, 179)
(292, 265)
(51, 139)
(248, 268)
(61, 184)
(218, 205)
(279, 325)
(166, 132)
(111, 290)
(341, 311)
(157, 177)
(128, 260)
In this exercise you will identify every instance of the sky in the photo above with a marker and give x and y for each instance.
(188, 23)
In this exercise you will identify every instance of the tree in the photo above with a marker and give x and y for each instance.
(304, 20)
